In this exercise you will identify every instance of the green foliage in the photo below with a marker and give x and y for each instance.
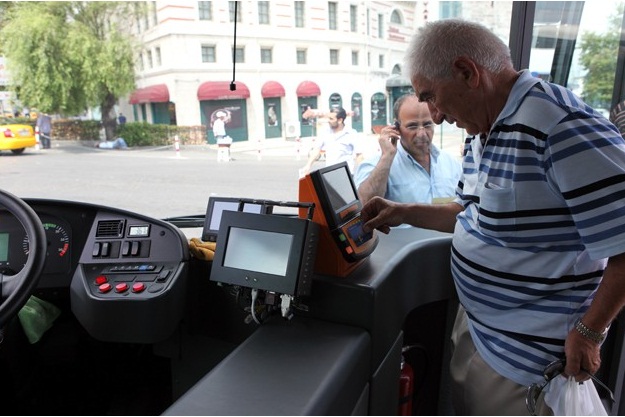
(65, 57)
(598, 57)
(145, 134)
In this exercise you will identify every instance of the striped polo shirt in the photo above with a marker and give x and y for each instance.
(544, 200)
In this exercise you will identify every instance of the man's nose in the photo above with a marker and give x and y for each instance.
(437, 116)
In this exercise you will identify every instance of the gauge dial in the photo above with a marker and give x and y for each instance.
(58, 246)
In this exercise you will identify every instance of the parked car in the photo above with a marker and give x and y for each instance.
(16, 138)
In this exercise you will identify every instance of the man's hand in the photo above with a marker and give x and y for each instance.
(380, 214)
(388, 141)
(581, 353)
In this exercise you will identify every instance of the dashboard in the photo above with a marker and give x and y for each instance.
(124, 271)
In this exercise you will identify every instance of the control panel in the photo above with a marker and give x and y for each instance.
(130, 283)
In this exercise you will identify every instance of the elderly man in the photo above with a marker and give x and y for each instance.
(538, 249)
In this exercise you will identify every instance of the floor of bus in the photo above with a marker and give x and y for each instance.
(69, 373)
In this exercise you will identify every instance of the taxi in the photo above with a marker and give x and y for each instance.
(16, 137)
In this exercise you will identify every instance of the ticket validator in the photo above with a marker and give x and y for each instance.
(343, 244)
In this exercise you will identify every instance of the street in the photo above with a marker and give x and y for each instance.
(162, 182)
(158, 182)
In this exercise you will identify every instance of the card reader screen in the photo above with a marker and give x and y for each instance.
(358, 235)
(339, 187)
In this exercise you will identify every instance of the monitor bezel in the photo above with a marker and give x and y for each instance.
(335, 218)
(210, 234)
(275, 223)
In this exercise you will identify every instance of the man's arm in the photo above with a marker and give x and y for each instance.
(383, 214)
(376, 182)
(581, 351)
(314, 155)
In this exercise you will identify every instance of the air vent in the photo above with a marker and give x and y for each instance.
(110, 228)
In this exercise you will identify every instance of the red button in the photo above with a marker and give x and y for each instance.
(121, 287)
(101, 279)
(138, 287)
(105, 287)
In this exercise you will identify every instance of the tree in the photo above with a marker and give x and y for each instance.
(598, 57)
(65, 57)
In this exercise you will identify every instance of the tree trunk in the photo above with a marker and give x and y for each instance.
(109, 120)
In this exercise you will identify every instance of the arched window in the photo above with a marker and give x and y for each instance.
(396, 17)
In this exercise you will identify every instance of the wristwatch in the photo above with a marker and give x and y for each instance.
(589, 333)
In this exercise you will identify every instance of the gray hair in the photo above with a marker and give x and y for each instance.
(435, 46)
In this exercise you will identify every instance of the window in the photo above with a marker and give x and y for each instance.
(355, 58)
(381, 61)
(353, 18)
(208, 53)
(157, 51)
(368, 22)
(150, 61)
(332, 16)
(301, 56)
(381, 26)
(396, 17)
(263, 12)
(334, 56)
(140, 62)
(231, 6)
(154, 16)
(239, 54)
(450, 9)
(266, 55)
(299, 14)
(205, 10)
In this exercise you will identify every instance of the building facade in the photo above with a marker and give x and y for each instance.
(265, 62)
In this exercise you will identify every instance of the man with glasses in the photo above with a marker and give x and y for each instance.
(538, 248)
(409, 167)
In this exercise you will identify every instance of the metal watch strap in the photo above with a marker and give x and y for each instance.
(589, 333)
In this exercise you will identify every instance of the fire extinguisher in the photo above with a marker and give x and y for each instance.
(406, 386)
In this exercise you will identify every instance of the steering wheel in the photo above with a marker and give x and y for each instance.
(16, 289)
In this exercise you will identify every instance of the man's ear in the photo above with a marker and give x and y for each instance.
(464, 70)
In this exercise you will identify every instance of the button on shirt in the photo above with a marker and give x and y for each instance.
(409, 182)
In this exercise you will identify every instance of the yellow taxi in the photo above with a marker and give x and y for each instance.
(17, 137)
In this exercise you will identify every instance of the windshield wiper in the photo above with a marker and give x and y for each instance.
(193, 220)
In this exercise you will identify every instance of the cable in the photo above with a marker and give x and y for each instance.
(254, 296)
(233, 86)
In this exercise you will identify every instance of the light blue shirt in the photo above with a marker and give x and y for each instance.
(341, 146)
(409, 182)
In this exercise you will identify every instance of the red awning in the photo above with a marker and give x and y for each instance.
(308, 89)
(153, 94)
(272, 89)
(220, 90)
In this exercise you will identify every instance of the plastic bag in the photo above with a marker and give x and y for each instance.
(569, 398)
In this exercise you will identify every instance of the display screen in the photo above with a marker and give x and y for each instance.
(339, 188)
(258, 251)
(4, 247)
(139, 231)
(220, 206)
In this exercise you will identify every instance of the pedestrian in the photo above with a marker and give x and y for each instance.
(44, 123)
(338, 142)
(223, 141)
(409, 167)
(118, 143)
(538, 243)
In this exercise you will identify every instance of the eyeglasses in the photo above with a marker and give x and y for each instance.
(417, 126)
(551, 371)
